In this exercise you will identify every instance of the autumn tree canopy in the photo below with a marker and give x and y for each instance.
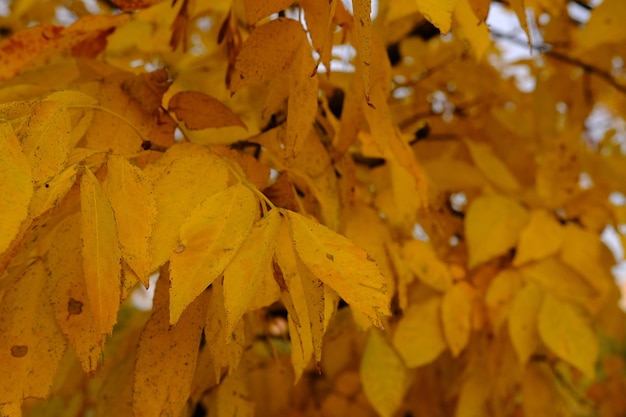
(345, 208)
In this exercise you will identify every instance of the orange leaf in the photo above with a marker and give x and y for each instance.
(201, 111)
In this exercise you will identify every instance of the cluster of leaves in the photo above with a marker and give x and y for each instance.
(414, 235)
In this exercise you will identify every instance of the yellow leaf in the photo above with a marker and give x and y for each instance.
(456, 315)
(50, 194)
(501, 293)
(45, 141)
(560, 280)
(201, 111)
(268, 51)
(341, 265)
(541, 238)
(383, 375)
(302, 104)
(318, 15)
(419, 336)
(523, 321)
(232, 399)
(31, 345)
(164, 390)
(493, 224)
(603, 27)
(186, 178)
(307, 300)
(519, 8)
(566, 329)
(476, 33)
(492, 166)
(540, 393)
(424, 263)
(134, 206)
(68, 294)
(16, 188)
(101, 253)
(475, 393)
(257, 10)
(246, 275)
(438, 12)
(210, 238)
(363, 32)
(480, 9)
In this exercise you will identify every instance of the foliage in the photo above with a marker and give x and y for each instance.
(410, 233)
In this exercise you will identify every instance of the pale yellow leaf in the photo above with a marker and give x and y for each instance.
(164, 390)
(134, 206)
(201, 111)
(257, 10)
(363, 33)
(419, 336)
(268, 51)
(492, 167)
(209, 239)
(456, 315)
(341, 265)
(438, 12)
(493, 224)
(383, 375)
(31, 344)
(426, 265)
(541, 238)
(567, 330)
(101, 253)
(186, 178)
(16, 188)
(523, 321)
(68, 294)
(246, 275)
(46, 140)
(302, 104)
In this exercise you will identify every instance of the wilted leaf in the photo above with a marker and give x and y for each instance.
(567, 331)
(201, 111)
(419, 336)
(341, 265)
(210, 238)
(383, 375)
(101, 253)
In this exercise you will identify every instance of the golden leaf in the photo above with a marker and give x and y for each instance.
(257, 10)
(492, 166)
(201, 111)
(50, 194)
(439, 13)
(164, 390)
(501, 293)
(493, 224)
(456, 315)
(68, 294)
(566, 329)
(302, 103)
(101, 253)
(424, 263)
(130, 193)
(477, 34)
(31, 345)
(363, 32)
(523, 321)
(341, 265)
(383, 375)
(210, 238)
(202, 175)
(541, 238)
(268, 51)
(419, 336)
(16, 187)
(246, 282)
(480, 9)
